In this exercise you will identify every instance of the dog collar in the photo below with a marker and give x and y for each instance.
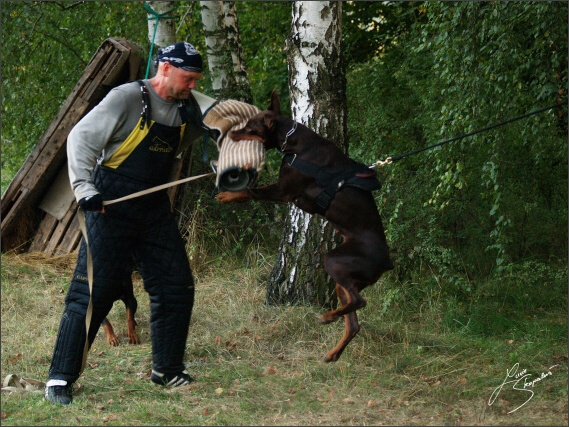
(289, 133)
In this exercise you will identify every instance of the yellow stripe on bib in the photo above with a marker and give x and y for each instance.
(128, 146)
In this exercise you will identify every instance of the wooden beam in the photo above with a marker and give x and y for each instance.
(115, 62)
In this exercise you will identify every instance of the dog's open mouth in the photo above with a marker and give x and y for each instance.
(236, 136)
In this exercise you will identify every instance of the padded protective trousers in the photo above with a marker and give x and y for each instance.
(143, 231)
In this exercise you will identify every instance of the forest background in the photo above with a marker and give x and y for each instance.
(477, 228)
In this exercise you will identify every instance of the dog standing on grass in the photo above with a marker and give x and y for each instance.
(319, 178)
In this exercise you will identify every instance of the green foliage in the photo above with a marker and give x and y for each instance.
(370, 28)
(264, 28)
(478, 205)
(45, 49)
(502, 306)
(494, 61)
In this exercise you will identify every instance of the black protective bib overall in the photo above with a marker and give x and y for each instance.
(141, 230)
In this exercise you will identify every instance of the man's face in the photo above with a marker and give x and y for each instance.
(180, 82)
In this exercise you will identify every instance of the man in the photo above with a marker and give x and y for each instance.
(126, 144)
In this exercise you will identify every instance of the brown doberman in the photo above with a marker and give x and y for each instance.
(131, 305)
(319, 178)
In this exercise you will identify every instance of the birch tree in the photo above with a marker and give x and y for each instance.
(224, 51)
(161, 24)
(161, 29)
(317, 92)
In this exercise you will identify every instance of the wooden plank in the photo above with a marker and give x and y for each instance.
(43, 234)
(17, 206)
(64, 113)
(104, 69)
(58, 233)
(116, 68)
(18, 236)
(135, 60)
(14, 202)
(97, 62)
(91, 89)
(39, 178)
(72, 238)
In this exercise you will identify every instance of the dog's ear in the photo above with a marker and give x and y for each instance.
(268, 119)
(275, 103)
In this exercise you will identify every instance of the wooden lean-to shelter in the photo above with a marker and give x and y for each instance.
(39, 212)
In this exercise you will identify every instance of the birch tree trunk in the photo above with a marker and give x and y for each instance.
(161, 30)
(317, 92)
(241, 81)
(165, 28)
(224, 51)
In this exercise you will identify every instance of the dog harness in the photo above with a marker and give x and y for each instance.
(333, 179)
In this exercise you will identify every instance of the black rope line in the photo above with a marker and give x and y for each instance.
(410, 153)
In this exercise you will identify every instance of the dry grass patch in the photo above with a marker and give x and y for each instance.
(260, 365)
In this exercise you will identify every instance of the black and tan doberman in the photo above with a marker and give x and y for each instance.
(319, 178)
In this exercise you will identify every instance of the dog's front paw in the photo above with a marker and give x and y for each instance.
(230, 196)
(133, 338)
(113, 340)
(224, 197)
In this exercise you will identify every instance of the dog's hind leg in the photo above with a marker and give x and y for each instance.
(349, 302)
(112, 338)
(354, 302)
(342, 265)
(351, 328)
(131, 306)
(131, 324)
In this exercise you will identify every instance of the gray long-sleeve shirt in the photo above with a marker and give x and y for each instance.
(99, 133)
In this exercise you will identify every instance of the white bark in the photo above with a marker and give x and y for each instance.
(311, 21)
(224, 52)
(165, 28)
(234, 44)
(317, 88)
(213, 17)
(314, 40)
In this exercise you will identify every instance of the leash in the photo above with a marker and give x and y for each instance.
(81, 217)
(153, 189)
(22, 384)
(89, 314)
(390, 160)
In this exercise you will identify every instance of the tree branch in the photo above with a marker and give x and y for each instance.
(63, 6)
(67, 46)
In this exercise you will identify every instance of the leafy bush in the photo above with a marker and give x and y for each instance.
(470, 208)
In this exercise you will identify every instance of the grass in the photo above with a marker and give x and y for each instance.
(423, 361)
